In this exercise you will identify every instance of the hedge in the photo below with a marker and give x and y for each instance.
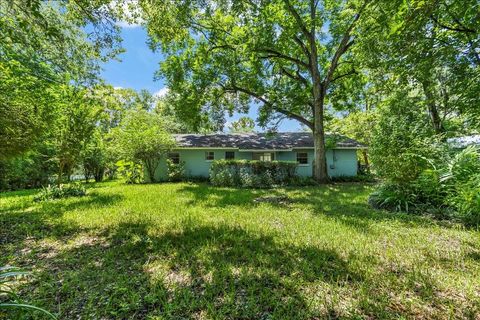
(252, 173)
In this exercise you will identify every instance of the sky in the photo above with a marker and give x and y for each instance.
(137, 66)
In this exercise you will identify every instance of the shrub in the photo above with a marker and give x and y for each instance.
(452, 190)
(63, 191)
(131, 171)
(175, 171)
(252, 174)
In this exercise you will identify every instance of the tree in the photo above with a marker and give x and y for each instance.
(44, 48)
(74, 128)
(288, 56)
(242, 125)
(430, 47)
(142, 137)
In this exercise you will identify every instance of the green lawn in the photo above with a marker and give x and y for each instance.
(192, 251)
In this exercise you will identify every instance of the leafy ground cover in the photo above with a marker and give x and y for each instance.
(186, 250)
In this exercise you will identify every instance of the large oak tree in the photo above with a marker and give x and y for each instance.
(287, 56)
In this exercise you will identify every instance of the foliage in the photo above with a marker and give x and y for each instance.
(254, 174)
(31, 170)
(461, 177)
(242, 125)
(428, 47)
(44, 48)
(74, 128)
(402, 142)
(52, 192)
(142, 137)
(132, 172)
(7, 278)
(288, 57)
(452, 190)
(94, 158)
(175, 171)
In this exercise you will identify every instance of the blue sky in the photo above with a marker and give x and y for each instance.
(138, 65)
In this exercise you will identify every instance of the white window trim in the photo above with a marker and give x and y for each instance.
(302, 164)
(208, 160)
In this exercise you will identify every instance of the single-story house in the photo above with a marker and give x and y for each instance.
(198, 151)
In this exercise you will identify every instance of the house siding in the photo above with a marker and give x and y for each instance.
(340, 162)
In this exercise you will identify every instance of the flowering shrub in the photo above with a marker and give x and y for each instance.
(252, 174)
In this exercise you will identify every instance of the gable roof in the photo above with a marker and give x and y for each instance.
(260, 141)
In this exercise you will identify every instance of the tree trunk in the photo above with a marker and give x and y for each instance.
(60, 173)
(432, 108)
(320, 159)
(365, 159)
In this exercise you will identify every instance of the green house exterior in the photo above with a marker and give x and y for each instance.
(198, 151)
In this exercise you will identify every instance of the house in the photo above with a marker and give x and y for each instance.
(198, 151)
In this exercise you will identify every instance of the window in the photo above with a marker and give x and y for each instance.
(302, 157)
(263, 156)
(174, 157)
(209, 156)
(229, 155)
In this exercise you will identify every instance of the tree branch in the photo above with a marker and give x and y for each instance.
(344, 45)
(452, 28)
(297, 18)
(276, 54)
(288, 113)
(344, 75)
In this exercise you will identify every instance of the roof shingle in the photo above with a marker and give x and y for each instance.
(259, 141)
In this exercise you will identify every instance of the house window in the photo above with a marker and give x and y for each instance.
(302, 157)
(263, 156)
(229, 155)
(174, 157)
(209, 155)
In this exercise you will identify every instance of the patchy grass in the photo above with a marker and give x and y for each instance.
(177, 251)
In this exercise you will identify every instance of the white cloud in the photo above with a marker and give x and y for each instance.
(161, 93)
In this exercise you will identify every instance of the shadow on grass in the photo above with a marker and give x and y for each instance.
(205, 194)
(345, 202)
(202, 271)
(19, 221)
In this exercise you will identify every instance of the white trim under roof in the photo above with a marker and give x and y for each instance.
(264, 150)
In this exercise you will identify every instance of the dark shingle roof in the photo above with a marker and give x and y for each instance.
(259, 141)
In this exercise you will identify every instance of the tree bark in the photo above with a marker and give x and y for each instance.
(432, 108)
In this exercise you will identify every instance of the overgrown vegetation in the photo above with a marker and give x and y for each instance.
(422, 174)
(185, 250)
(252, 174)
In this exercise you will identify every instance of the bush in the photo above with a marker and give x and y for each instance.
(175, 172)
(252, 174)
(63, 191)
(132, 172)
(452, 190)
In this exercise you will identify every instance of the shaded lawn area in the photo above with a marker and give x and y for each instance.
(192, 251)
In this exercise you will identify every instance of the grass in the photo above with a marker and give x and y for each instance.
(192, 251)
